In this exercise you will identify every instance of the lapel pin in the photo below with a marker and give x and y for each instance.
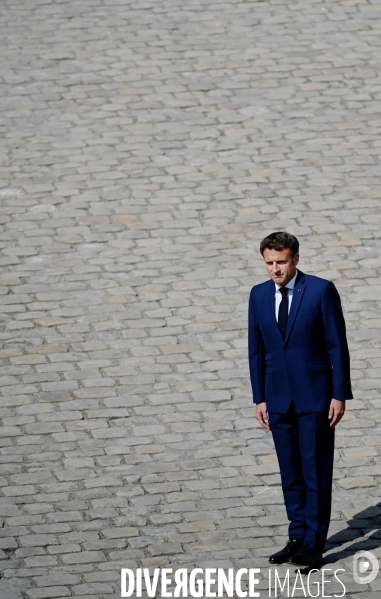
(299, 289)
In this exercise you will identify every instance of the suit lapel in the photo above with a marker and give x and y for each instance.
(297, 297)
(271, 305)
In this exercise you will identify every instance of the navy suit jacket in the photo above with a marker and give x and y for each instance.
(311, 365)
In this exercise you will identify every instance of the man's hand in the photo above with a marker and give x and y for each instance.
(262, 415)
(336, 411)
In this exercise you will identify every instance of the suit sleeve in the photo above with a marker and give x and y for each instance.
(336, 340)
(257, 362)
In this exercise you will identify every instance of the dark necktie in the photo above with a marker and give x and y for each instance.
(283, 311)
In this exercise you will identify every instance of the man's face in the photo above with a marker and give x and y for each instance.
(281, 265)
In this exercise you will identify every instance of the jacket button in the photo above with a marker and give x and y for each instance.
(286, 347)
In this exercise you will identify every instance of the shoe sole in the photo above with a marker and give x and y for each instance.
(313, 565)
(278, 563)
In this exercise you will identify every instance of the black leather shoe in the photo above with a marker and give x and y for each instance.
(306, 557)
(292, 547)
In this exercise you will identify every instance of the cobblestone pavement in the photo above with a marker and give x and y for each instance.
(147, 147)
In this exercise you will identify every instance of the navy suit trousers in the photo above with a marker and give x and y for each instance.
(304, 443)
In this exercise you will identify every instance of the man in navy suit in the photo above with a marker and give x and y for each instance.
(299, 370)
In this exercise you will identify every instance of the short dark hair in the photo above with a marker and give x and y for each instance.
(279, 241)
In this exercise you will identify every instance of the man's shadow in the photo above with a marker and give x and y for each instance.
(362, 524)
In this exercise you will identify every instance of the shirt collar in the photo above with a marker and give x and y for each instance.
(290, 284)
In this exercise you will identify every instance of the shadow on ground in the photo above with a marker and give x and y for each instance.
(365, 522)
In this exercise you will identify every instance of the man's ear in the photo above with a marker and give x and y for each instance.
(296, 259)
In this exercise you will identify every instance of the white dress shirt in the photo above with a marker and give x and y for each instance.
(278, 296)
